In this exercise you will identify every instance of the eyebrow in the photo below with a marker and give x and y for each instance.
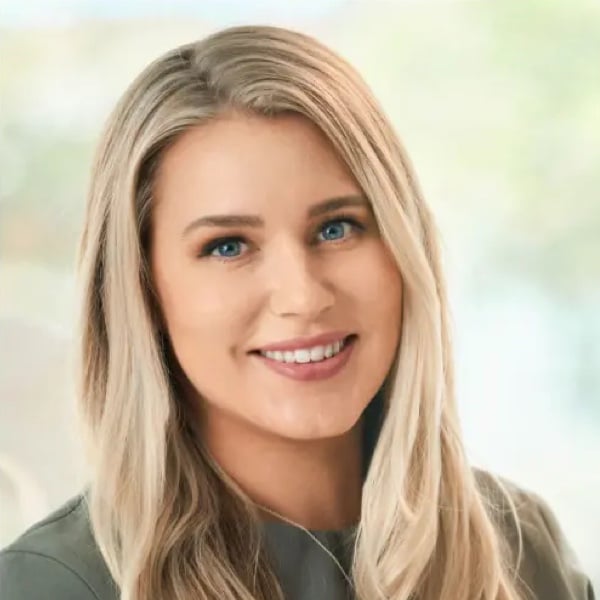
(321, 208)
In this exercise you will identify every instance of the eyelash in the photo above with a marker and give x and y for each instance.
(208, 248)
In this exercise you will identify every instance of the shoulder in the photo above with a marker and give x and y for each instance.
(56, 558)
(546, 563)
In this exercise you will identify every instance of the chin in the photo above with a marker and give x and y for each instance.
(311, 427)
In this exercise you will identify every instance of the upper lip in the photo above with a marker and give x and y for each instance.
(322, 339)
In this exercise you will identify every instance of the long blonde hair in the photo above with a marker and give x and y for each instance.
(168, 521)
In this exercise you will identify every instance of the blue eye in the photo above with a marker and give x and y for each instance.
(224, 248)
(335, 230)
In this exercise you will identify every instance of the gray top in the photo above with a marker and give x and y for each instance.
(303, 568)
(57, 559)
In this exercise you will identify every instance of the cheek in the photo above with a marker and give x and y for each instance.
(387, 316)
(376, 284)
(379, 302)
(208, 319)
(205, 326)
(197, 298)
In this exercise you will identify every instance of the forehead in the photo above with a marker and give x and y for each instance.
(242, 162)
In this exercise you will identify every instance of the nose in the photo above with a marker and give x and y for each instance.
(298, 286)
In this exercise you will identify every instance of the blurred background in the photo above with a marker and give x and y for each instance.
(498, 104)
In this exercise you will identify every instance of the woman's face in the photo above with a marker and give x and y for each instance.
(261, 237)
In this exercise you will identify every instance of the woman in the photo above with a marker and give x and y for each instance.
(267, 379)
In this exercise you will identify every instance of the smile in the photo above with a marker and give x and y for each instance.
(306, 355)
(310, 364)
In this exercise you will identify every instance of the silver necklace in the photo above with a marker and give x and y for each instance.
(329, 553)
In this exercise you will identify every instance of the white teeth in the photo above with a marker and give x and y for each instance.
(301, 356)
(305, 355)
(317, 353)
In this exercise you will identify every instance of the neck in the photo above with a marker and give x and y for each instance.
(316, 484)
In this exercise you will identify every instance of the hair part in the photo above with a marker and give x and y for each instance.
(168, 521)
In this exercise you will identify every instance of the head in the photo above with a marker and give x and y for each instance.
(249, 191)
(260, 235)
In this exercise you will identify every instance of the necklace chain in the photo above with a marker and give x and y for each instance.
(331, 555)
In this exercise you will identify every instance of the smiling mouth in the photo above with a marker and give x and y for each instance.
(314, 364)
(314, 354)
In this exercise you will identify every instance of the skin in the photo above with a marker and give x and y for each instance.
(293, 446)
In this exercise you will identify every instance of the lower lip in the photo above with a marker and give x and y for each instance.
(312, 371)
